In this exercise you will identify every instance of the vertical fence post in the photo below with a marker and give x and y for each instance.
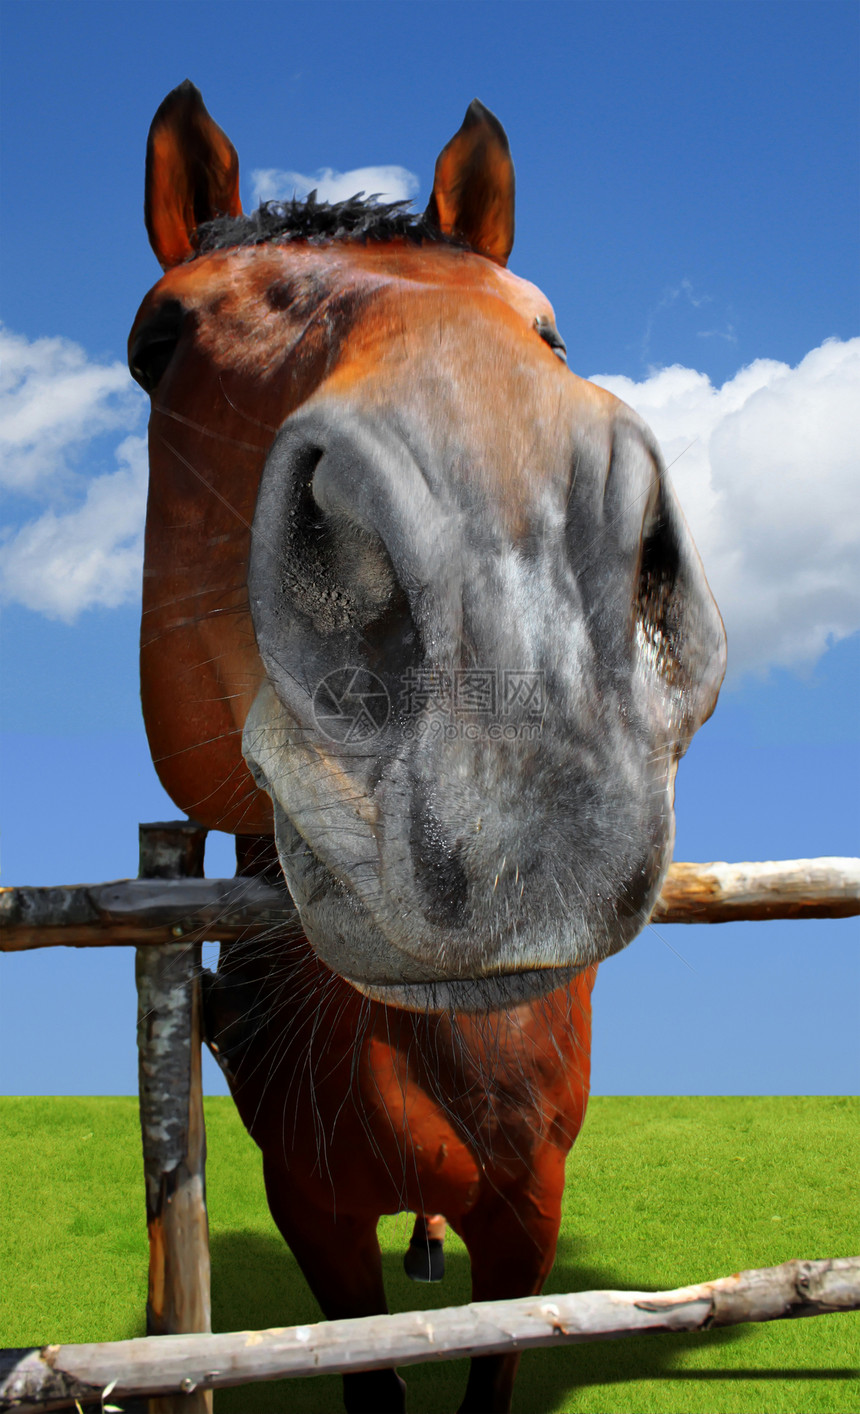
(171, 1114)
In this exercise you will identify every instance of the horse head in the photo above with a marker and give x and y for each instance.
(417, 599)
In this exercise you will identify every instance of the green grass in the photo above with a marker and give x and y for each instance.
(660, 1192)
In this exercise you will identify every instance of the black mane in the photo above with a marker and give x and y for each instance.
(359, 218)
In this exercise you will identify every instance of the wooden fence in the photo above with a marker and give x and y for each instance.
(166, 914)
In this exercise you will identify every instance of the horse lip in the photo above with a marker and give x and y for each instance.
(497, 991)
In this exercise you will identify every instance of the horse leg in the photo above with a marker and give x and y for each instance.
(342, 1265)
(511, 1241)
(424, 1259)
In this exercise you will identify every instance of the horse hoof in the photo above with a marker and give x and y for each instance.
(425, 1261)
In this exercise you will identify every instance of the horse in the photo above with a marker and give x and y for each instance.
(424, 628)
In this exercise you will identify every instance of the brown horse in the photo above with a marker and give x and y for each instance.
(419, 606)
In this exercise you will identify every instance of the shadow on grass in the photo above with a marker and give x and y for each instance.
(256, 1283)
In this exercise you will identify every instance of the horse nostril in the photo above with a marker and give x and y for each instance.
(323, 586)
(308, 516)
(658, 572)
(332, 569)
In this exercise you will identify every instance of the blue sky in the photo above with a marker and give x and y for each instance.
(687, 179)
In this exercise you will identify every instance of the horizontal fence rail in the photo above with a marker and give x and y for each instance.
(734, 893)
(140, 913)
(143, 912)
(57, 1375)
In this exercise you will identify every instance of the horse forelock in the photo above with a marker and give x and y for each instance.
(358, 218)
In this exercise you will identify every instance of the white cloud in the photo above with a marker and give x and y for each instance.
(769, 487)
(388, 183)
(86, 546)
(53, 401)
(61, 564)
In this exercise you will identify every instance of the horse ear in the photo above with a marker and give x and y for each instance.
(473, 188)
(192, 174)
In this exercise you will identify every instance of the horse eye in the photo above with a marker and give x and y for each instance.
(155, 344)
(551, 336)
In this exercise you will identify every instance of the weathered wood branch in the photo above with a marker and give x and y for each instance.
(62, 1373)
(142, 912)
(734, 893)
